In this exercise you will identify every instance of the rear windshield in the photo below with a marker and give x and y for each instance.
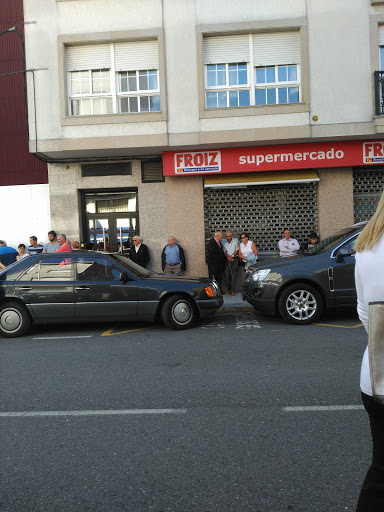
(330, 242)
(131, 265)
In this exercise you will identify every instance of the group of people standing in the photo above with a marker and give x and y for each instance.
(56, 243)
(225, 256)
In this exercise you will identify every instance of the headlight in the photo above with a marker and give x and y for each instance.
(260, 275)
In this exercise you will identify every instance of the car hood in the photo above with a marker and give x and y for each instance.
(277, 262)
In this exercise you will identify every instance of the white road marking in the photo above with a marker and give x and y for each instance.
(108, 412)
(247, 324)
(60, 337)
(323, 408)
(214, 325)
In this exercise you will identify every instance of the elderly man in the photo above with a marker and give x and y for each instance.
(64, 244)
(8, 255)
(288, 246)
(231, 250)
(139, 252)
(173, 258)
(216, 258)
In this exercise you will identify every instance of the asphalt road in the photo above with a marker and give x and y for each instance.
(241, 413)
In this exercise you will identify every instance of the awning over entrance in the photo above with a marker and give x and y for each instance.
(259, 178)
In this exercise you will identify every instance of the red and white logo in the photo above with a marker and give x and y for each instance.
(373, 152)
(199, 162)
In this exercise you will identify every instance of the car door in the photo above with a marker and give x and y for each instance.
(99, 293)
(343, 265)
(47, 286)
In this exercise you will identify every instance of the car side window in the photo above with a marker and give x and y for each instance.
(96, 269)
(50, 269)
(347, 248)
(31, 274)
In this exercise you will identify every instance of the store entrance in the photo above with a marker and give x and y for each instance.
(111, 220)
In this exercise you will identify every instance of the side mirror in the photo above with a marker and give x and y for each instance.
(124, 277)
(340, 257)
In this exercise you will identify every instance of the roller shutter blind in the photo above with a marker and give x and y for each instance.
(95, 56)
(381, 35)
(225, 49)
(136, 55)
(276, 48)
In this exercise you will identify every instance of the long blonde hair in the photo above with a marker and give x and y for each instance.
(373, 230)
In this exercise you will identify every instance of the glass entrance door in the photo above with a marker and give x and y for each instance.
(110, 220)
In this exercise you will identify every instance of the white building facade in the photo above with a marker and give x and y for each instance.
(169, 117)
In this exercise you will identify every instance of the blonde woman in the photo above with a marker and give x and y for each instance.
(369, 249)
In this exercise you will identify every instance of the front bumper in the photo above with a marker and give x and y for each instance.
(260, 297)
(208, 306)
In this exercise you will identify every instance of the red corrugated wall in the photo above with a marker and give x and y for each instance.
(17, 165)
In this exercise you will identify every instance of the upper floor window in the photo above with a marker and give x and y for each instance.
(113, 78)
(252, 69)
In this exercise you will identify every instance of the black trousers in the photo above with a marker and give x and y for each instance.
(230, 274)
(216, 271)
(372, 493)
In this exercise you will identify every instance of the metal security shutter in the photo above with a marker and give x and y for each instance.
(136, 55)
(368, 186)
(95, 56)
(276, 48)
(152, 171)
(224, 49)
(381, 35)
(263, 211)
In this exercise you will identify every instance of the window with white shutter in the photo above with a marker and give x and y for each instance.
(113, 78)
(252, 69)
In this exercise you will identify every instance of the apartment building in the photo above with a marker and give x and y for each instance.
(24, 194)
(170, 117)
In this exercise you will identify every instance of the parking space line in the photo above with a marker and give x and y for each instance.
(323, 408)
(110, 332)
(108, 412)
(60, 337)
(342, 326)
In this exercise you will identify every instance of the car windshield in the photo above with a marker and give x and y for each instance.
(131, 265)
(330, 242)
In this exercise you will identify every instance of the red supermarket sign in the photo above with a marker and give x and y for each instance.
(274, 158)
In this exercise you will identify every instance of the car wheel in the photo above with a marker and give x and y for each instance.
(178, 312)
(300, 304)
(14, 320)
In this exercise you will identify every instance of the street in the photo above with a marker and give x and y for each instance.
(241, 413)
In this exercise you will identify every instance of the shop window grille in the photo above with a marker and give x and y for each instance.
(263, 211)
(368, 185)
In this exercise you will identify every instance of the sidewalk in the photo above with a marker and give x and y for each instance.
(235, 301)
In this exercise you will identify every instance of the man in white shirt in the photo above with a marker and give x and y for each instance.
(231, 250)
(288, 246)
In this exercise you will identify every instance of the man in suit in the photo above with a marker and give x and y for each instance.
(216, 258)
(139, 252)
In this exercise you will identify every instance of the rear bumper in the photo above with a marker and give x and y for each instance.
(208, 306)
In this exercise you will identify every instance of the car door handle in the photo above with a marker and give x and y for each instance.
(81, 288)
(26, 288)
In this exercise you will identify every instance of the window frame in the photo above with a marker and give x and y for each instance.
(65, 40)
(255, 27)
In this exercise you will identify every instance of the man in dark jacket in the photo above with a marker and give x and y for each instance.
(139, 252)
(216, 258)
(173, 258)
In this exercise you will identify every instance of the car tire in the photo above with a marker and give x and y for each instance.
(14, 320)
(178, 312)
(301, 304)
